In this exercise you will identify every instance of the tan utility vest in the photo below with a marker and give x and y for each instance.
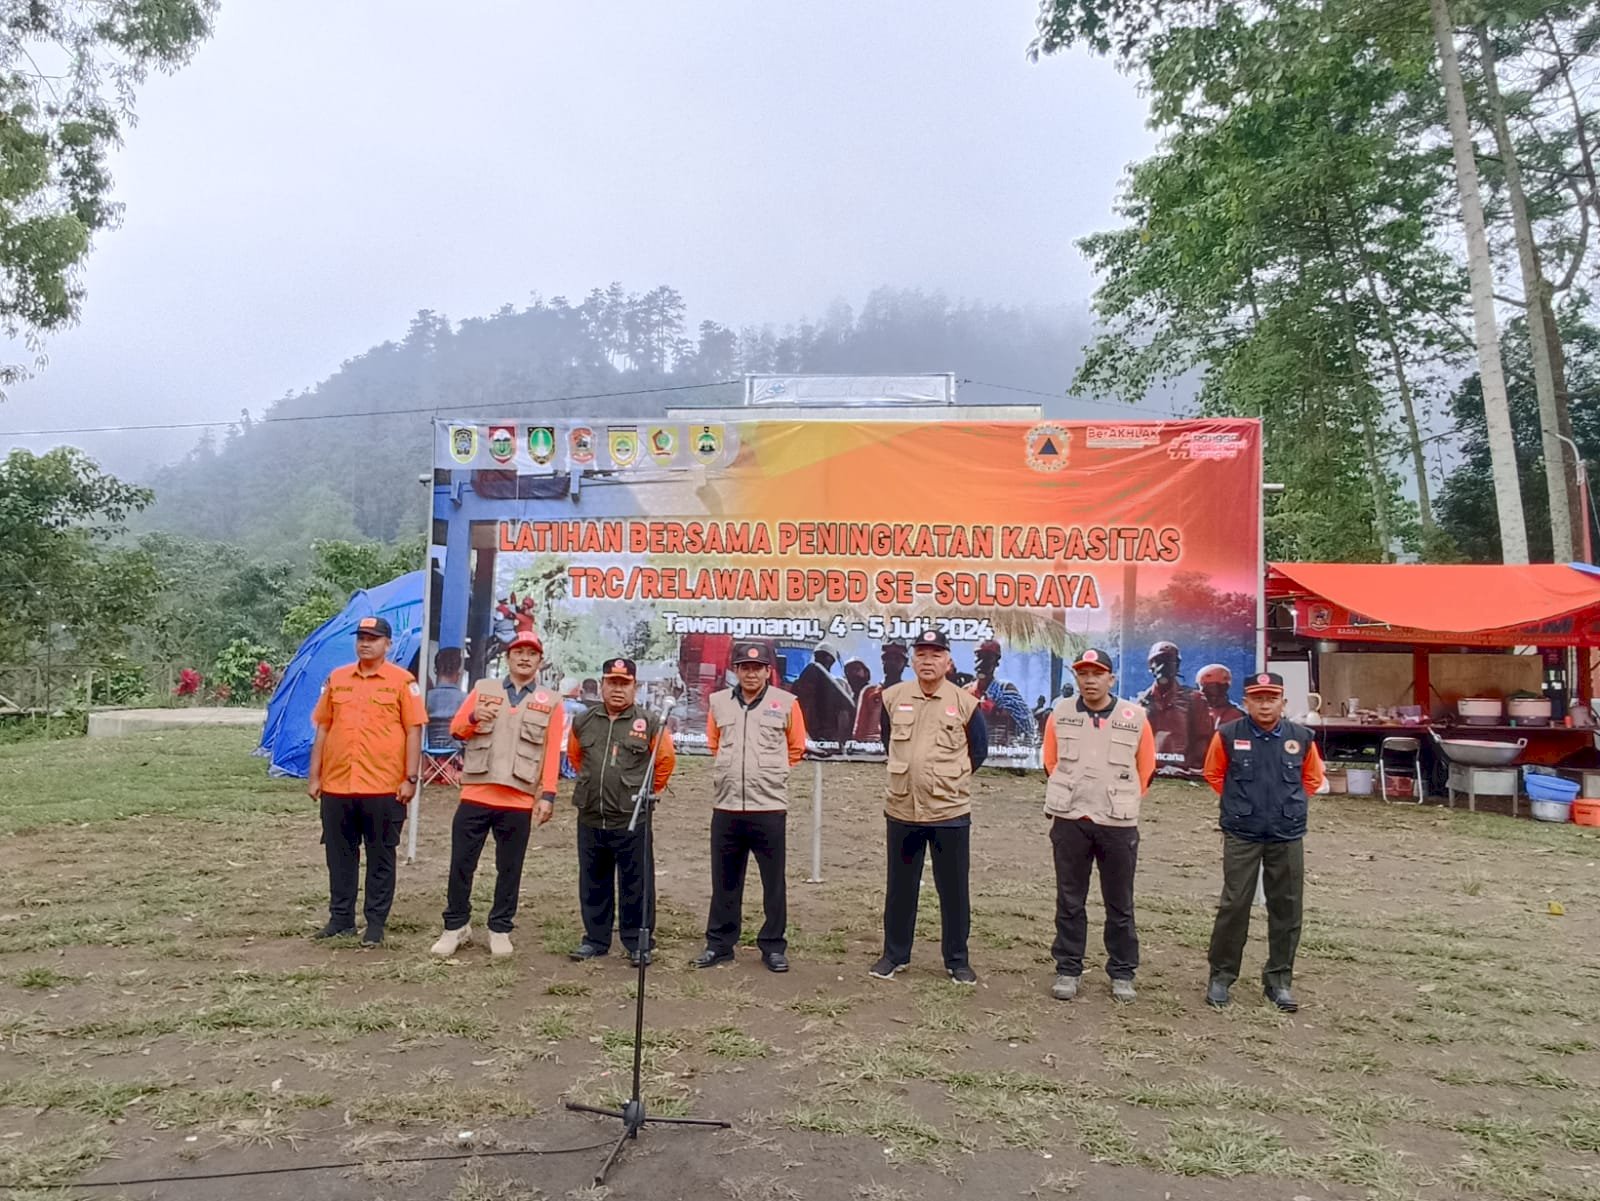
(1096, 776)
(511, 752)
(930, 768)
(751, 772)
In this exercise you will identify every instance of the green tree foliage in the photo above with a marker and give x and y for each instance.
(62, 581)
(343, 568)
(213, 594)
(68, 73)
(1466, 502)
(1278, 244)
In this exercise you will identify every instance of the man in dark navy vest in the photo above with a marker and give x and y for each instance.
(1265, 769)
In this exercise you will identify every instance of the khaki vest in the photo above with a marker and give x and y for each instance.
(512, 751)
(930, 768)
(1096, 776)
(751, 772)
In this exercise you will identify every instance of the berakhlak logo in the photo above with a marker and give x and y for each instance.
(1046, 446)
(581, 441)
(502, 443)
(463, 443)
(541, 443)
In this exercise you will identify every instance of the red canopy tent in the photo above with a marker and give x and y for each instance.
(1496, 605)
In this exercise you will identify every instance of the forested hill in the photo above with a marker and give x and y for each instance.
(274, 486)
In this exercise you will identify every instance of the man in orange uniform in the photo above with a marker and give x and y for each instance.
(513, 730)
(1099, 755)
(609, 747)
(1265, 769)
(369, 722)
(756, 733)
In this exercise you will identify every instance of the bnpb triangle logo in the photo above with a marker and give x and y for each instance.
(1046, 446)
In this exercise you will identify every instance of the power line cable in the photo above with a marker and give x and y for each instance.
(435, 409)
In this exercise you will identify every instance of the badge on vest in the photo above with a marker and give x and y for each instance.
(639, 725)
(1291, 747)
(1241, 744)
(952, 711)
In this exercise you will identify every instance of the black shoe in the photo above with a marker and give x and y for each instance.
(333, 930)
(963, 975)
(372, 936)
(1282, 998)
(885, 969)
(1217, 994)
(776, 961)
(710, 958)
(588, 950)
(635, 956)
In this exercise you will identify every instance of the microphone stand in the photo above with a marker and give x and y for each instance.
(632, 1114)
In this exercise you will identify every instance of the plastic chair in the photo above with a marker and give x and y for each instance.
(441, 755)
(1402, 759)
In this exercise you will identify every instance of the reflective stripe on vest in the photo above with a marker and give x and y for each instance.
(751, 771)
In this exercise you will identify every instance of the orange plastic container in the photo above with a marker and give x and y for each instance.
(1586, 812)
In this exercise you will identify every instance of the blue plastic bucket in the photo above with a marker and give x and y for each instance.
(1550, 788)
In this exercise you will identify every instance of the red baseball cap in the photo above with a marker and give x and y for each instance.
(526, 638)
(1094, 657)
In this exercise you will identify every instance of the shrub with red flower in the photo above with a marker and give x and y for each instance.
(189, 681)
(264, 680)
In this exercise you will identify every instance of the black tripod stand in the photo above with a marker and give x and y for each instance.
(632, 1113)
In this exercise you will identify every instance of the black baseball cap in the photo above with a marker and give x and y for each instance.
(378, 627)
(752, 652)
(1263, 683)
(619, 668)
(1094, 657)
(934, 638)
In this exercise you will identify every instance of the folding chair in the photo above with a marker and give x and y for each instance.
(441, 755)
(1401, 759)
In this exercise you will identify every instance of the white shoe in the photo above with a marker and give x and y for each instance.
(451, 941)
(1065, 988)
(499, 944)
(1122, 990)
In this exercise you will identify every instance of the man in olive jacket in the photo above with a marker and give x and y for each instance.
(609, 748)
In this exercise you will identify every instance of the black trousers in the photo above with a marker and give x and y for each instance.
(1078, 846)
(734, 838)
(348, 824)
(614, 873)
(1283, 868)
(908, 843)
(468, 831)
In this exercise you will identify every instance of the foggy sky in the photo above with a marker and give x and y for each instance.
(321, 171)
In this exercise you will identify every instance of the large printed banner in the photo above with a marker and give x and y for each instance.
(839, 542)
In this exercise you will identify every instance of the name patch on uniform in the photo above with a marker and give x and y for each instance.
(904, 708)
(1241, 744)
(1124, 725)
(1292, 746)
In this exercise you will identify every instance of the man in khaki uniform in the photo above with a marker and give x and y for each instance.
(1099, 755)
(757, 734)
(935, 738)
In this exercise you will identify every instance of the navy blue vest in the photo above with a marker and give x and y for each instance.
(1264, 794)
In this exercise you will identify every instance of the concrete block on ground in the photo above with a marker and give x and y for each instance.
(114, 723)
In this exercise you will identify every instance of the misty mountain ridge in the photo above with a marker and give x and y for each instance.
(274, 486)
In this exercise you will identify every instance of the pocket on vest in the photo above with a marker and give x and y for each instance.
(475, 758)
(899, 779)
(529, 753)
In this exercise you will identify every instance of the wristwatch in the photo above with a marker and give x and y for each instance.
(411, 779)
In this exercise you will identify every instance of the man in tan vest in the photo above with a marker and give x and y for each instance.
(513, 730)
(1099, 755)
(757, 734)
(934, 734)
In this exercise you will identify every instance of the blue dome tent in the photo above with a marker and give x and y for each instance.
(286, 737)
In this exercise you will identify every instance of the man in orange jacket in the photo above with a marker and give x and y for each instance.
(609, 748)
(513, 730)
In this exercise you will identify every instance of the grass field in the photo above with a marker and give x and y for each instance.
(162, 1012)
